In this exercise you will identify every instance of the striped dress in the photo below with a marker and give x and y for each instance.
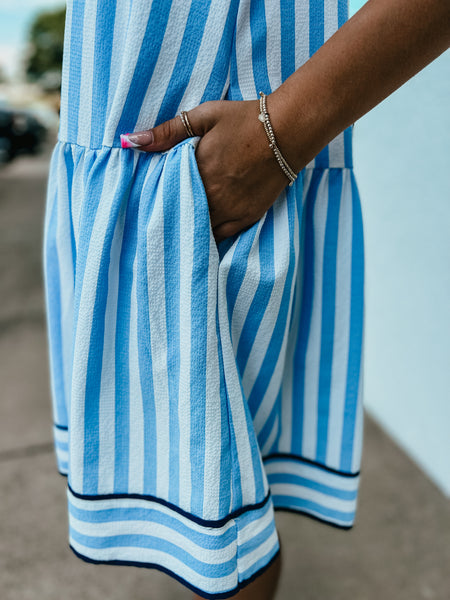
(197, 387)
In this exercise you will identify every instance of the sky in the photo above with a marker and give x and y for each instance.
(15, 18)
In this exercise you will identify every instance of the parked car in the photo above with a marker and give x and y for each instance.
(20, 131)
(6, 134)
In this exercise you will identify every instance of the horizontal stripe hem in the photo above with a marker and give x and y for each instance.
(61, 447)
(180, 579)
(280, 455)
(213, 562)
(308, 488)
(190, 516)
(305, 513)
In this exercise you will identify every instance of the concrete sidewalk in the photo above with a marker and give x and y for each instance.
(399, 548)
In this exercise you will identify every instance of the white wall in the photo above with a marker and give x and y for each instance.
(402, 165)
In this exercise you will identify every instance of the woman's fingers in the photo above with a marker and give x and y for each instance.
(171, 132)
(158, 139)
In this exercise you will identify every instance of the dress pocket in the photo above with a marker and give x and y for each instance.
(223, 246)
(197, 188)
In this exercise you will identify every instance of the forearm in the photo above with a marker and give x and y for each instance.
(382, 46)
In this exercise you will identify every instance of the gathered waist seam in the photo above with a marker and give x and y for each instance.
(87, 147)
(306, 168)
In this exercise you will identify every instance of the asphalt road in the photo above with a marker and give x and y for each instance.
(399, 548)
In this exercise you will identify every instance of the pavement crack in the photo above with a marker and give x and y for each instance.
(32, 450)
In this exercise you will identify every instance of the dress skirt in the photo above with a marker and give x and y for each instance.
(196, 387)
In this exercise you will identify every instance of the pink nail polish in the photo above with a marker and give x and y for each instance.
(126, 142)
(135, 140)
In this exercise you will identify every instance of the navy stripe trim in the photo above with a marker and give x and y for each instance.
(62, 427)
(195, 519)
(311, 516)
(276, 455)
(196, 590)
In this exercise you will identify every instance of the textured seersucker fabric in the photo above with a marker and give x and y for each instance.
(196, 388)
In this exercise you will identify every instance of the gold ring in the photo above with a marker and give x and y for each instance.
(187, 125)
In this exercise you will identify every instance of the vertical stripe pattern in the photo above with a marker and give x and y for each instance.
(197, 388)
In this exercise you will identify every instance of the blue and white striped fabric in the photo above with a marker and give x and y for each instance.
(197, 388)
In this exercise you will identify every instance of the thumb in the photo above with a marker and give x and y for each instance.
(171, 132)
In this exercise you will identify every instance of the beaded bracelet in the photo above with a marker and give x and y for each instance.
(265, 120)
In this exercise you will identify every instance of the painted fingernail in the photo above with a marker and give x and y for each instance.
(126, 142)
(135, 140)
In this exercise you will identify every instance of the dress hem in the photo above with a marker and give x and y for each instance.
(141, 533)
(180, 579)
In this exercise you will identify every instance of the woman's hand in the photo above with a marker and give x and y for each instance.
(240, 173)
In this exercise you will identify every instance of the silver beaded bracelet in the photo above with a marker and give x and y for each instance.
(265, 120)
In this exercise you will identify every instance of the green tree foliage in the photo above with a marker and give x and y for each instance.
(46, 40)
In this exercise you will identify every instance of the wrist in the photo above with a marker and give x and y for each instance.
(305, 121)
(264, 117)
